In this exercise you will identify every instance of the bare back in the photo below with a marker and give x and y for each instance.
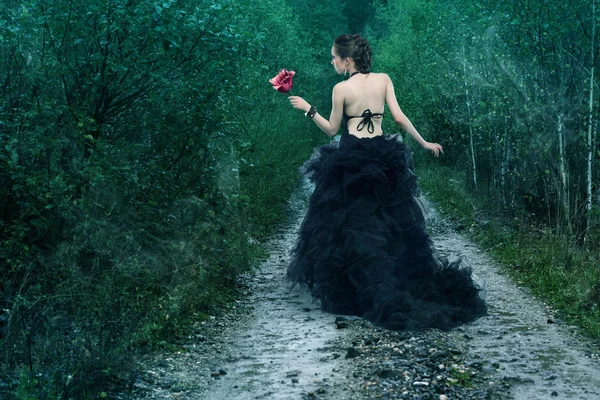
(364, 92)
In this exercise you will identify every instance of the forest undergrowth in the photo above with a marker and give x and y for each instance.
(144, 159)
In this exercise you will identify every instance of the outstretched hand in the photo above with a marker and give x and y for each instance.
(435, 148)
(299, 103)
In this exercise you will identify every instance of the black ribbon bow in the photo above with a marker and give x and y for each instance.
(367, 116)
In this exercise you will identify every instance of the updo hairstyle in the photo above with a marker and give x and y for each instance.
(355, 47)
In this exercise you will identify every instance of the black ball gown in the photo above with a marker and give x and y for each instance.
(362, 247)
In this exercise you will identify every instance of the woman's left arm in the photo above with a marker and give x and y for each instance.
(335, 119)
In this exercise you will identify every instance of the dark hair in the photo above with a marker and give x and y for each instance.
(357, 48)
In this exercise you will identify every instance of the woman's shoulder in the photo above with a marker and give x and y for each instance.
(379, 75)
(384, 77)
(379, 78)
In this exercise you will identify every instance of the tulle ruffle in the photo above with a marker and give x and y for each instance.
(362, 248)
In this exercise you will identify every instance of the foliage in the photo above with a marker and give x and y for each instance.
(143, 158)
(513, 77)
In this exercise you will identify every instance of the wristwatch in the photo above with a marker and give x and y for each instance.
(311, 113)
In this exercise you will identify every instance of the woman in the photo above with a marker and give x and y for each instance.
(362, 247)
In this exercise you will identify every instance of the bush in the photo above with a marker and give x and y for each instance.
(143, 159)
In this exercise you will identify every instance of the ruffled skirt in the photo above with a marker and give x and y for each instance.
(363, 249)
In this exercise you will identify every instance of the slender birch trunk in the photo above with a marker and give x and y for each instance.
(564, 192)
(504, 165)
(472, 146)
(590, 143)
(594, 137)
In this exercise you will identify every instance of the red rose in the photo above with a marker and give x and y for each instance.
(283, 81)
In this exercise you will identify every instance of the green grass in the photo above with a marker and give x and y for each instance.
(462, 377)
(565, 276)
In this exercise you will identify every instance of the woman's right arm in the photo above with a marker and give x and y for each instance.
(331, 126)
(403, 121)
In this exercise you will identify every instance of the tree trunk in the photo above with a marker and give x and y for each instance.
(504, 166)
(471, 145)
(590, 143)
(563, 192)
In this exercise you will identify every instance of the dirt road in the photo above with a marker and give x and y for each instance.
(275, 343)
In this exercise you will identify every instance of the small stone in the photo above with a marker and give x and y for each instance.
(295, 380)
(352, 353)
(422, 352)
(386, 373)
(222, 372)
(341, 322)
(438, 354)
(550, 321)
(165, 384)
(554, 394)
(443, 397)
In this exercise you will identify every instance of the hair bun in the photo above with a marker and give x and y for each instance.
(362, 55)
(356, 47)
(360, 41)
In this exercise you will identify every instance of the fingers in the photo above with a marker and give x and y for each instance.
(436, 149)
(295, 101)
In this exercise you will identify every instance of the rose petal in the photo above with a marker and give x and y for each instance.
(282, 82)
